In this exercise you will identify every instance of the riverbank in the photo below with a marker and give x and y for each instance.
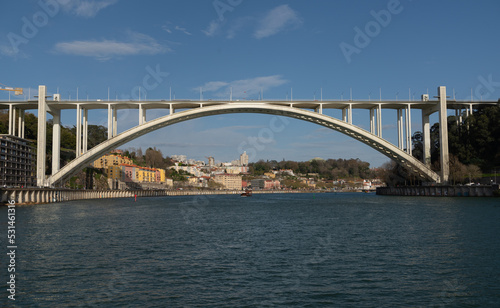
(440, 191)
(25, 196)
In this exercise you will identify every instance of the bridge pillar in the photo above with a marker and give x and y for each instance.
(56, 141)
(141, 114)
(78, 130)
(400, 128)
(426, 135)
(85, 129)
(350, 113)
(11, 110)
(115, 121)
(408, 129)
(443, 136)
(110, 122)
(20, 125)
(41, 138)
(372, 120)
(379, 121)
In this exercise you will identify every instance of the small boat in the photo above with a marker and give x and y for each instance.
(247, 193)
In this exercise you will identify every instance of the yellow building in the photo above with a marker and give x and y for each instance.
(114, 172)
(162, 177)
(111, 160)
(143, 174)
(270, 175)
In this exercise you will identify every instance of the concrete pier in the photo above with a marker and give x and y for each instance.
(439, 191)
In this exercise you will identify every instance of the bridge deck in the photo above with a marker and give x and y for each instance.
(189, 104)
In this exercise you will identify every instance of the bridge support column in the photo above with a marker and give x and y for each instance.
(400, 128)
(142, 114)
(56, 141)
(85, 129)
(115, 121)
(379, 121)
(408, 129)
(350, 113)
(372, 120)
(110, 122)
(443, 136)
(344, 114)
(11, 114)
(78, 130)
(42, 138)
(426, 142)
(20, 125)
(319, 109)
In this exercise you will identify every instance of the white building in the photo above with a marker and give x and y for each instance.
(244, 159)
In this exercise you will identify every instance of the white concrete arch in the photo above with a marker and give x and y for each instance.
(353, 131)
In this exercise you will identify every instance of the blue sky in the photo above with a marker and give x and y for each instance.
(251, 45)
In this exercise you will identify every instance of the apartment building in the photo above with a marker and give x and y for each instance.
(17, 162)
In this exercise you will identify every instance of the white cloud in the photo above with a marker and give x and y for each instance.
(85, 8)
(212, 28)
(167, 29)
(183, 30)
(244, 88)
(103, 50)
(277, 20)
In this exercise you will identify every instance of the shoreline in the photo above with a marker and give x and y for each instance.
(34, 196)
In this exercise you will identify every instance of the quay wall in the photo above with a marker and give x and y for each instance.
(47, 195)
(439, 191)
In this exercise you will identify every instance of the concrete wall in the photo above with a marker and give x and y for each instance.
(37, 195)
(437, 191)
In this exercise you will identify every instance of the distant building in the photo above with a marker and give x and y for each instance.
(211, 161)
(257, 183)
(229, 181)
(179, 158)
(17, 162)
(111, 160)
(270, 175)
(272, 184)
(244, 159)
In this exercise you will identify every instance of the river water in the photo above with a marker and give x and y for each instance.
(280, 250)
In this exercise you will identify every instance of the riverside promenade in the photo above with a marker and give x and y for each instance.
(47, 195)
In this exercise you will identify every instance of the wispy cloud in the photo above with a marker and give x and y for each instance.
(244, 88)
(136, 44)
(212, 28)
(183, 30)
(168, 28)
(277, 20)
(85, 8)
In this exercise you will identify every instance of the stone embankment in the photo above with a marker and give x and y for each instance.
(47, 195)
(440, 191)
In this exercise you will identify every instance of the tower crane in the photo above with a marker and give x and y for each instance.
(17, 91)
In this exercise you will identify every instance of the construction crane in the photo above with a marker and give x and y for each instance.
(17, 91)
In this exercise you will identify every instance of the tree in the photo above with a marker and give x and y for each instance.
(154, 158)
(473, 172)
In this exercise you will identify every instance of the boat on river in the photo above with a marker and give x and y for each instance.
(247, 193)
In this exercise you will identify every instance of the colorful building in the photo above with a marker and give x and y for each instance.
(111, 160)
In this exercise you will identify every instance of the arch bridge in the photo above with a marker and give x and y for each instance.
(184, 110)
